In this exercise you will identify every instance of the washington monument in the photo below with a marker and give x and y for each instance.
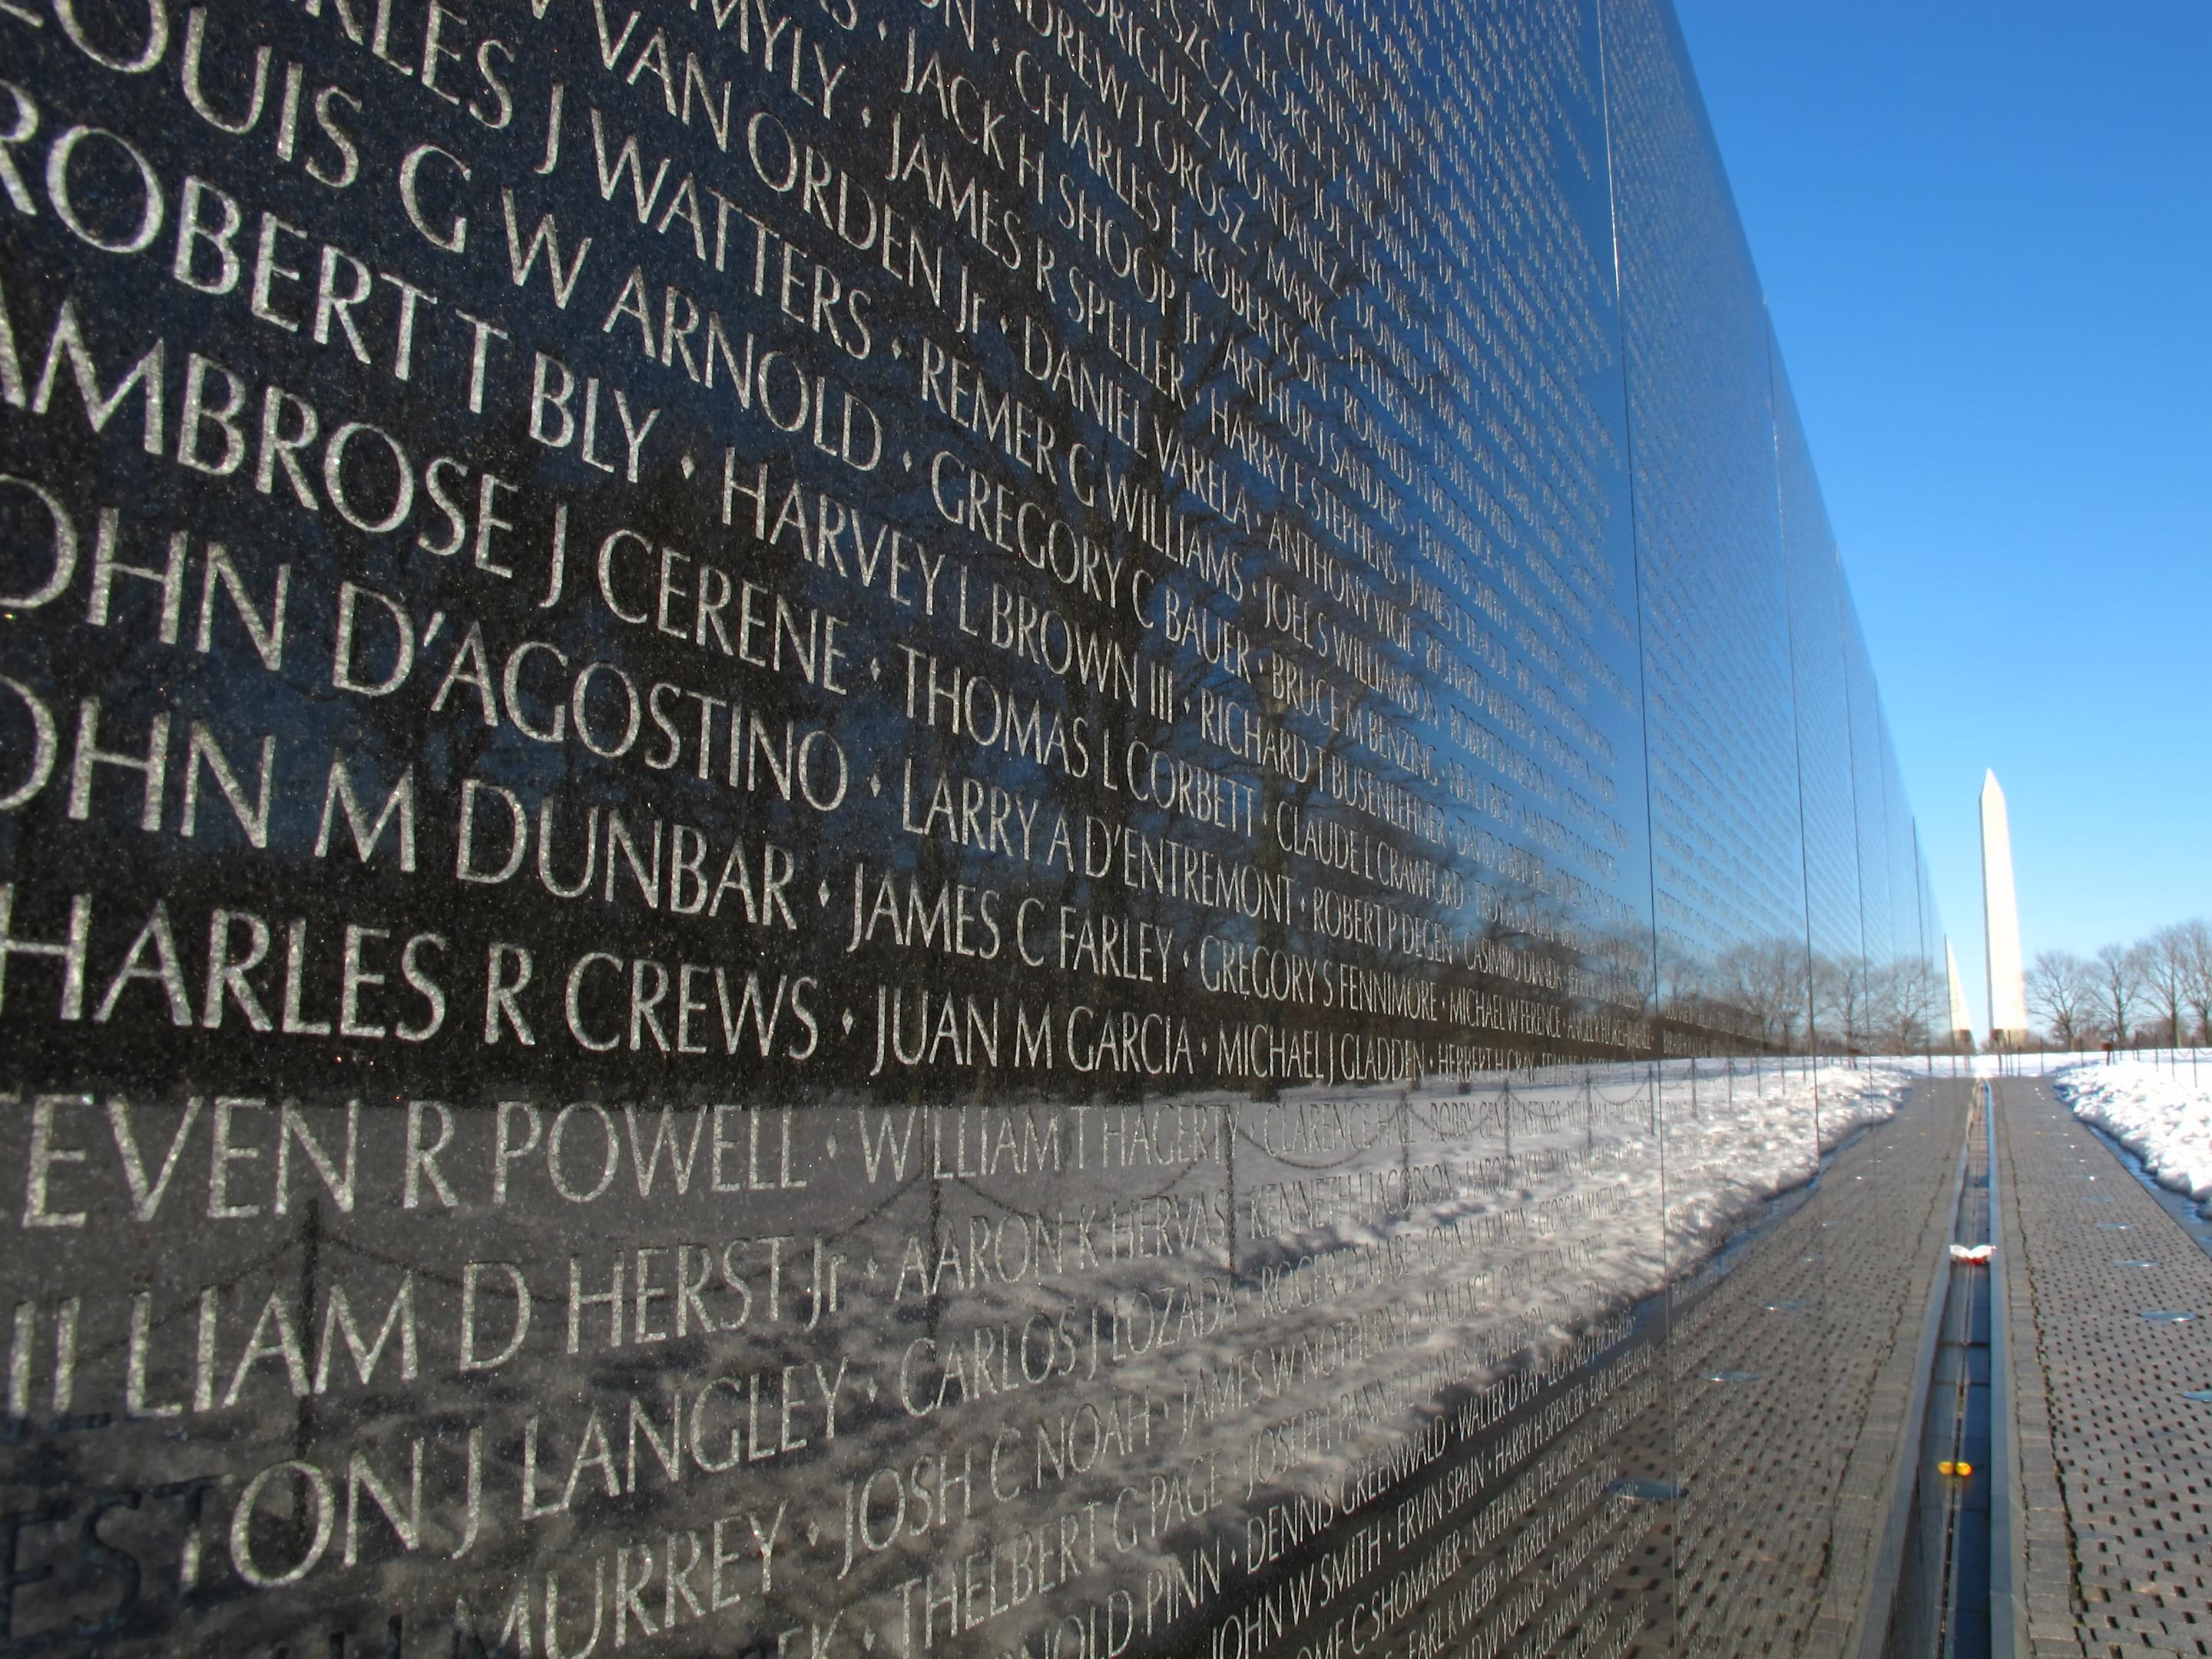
(2001, 922)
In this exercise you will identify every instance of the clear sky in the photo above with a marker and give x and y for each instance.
(1983, 230)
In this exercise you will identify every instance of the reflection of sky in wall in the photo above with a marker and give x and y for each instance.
(1593, 500)
(1995, 504)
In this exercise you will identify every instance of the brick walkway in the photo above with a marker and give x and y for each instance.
(1791, 1476)
(1787, 1374)
(2116, 1466)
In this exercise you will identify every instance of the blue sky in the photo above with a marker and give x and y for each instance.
(1983, 231)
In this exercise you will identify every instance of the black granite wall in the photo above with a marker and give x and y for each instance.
(910, 826)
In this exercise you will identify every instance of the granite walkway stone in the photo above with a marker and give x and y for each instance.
(1791, 1474)
(2109, 1324)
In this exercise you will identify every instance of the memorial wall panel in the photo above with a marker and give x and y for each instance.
(910, 827)
(1932, 939)
(1728, 860)
(1912, 995)
(1878, 911)
(1822, 697)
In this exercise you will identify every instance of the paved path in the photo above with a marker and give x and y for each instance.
(1791, 1474)
(2116, 1466)
(1766, 1454)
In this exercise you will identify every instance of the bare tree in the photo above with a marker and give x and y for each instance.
(1912, 1006)
(2062, 992)
(2196, 984)
(1766, 978)
(1839, 988)
(2119, 987)
(1882, 994)
(2166, 959)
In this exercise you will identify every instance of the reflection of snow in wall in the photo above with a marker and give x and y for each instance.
(2001, 918)
(1397, 1247)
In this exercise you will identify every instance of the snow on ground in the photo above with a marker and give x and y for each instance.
(2164, 1116)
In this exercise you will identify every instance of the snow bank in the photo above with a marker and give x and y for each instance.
(2161, 1115)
